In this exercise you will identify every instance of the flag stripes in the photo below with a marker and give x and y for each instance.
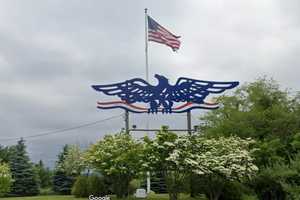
(157, 33)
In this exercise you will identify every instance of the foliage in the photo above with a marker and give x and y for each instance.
(72, 161)
(177, 156)
(158, 183)
(229, 157)
(4, 154)
(279, 181)
(24, 175)
(168, 154)
(90, 185)
(97, 186)
(5, 179)
(79, 188)
(266, 185)
(62, 181)
(228, 189)
(232, 190)
(44, 174)
(260, 110)
(46, 191)
(117, 157)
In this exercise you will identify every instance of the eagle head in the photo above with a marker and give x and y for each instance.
(161, 79)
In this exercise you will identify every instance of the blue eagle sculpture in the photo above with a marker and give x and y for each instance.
(164, 94)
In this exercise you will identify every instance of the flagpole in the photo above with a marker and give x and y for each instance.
(146, 45)
(147, 79)
(146, 58)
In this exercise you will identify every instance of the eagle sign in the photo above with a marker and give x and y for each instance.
(188, 93)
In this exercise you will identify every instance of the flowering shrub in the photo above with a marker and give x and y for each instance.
(177, 156)
(5, 179)
(117, 157)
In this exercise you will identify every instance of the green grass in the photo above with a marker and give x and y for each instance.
(151, 197)
(44, 198)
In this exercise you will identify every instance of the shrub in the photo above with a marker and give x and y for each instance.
(90, 185)
(96, 186)
(133, 185)
(46, 191)
(268, 187)
(232, 190)
(5, 179)
(80, 187)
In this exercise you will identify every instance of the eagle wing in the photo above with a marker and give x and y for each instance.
(131, 91)
(192, 90)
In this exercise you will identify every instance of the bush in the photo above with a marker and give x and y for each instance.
(5, 179)
(249, 197)
(232, 190)
(267, 187)
(96, 186)
(133, 185)
(89, 185)
(46, 191)
(214, 184)
(80, 187)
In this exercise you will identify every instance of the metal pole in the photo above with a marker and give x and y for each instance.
(146, 59)
(146, 45)
(147, 79)
(189, 122)
(127, 121)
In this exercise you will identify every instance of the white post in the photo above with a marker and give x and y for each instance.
(147, 79)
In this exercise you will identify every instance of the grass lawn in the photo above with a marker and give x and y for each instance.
(151, 197)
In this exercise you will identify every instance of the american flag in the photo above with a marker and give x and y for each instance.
(157, 33)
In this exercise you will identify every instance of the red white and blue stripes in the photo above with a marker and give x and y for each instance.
(157, 33)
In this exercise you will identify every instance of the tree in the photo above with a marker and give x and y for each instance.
(224, 158)
(62, 182)
(5, 179)
(165, 154)
(179, 156)
(270, 115)
(260, 110)
(23, 173)
(72, 163)
(117, 157)
(280, 181)
(44, 174)
(4, 154)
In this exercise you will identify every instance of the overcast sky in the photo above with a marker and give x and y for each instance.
(51, 51)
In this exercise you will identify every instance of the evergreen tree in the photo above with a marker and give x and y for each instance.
(23, 173)
(44, 174)
(62, 182)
